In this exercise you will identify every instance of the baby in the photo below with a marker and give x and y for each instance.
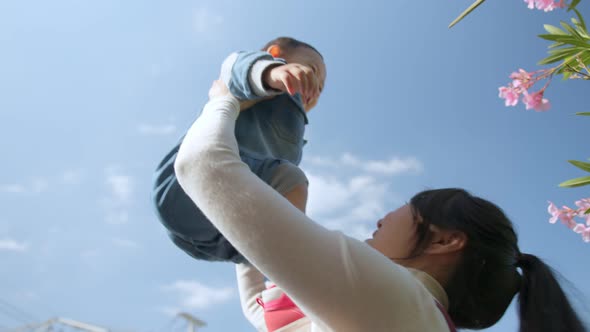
(277, 86)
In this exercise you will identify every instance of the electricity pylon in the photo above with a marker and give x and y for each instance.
(193, 322)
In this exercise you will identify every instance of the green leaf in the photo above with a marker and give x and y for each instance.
(580, 164)
(556, 38)
(583, 45)
(571, 30)
(587, 211)
(583, 113)
(556, 44)
(573, 5)
(552, 59)
(467, 11)
(580, 42)
(582, 23)
(559, 54)
(566, 75)
(554, 30)
(564, 50)
(577, 182)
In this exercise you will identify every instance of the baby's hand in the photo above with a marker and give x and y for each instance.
(218, 89)
(294, 78)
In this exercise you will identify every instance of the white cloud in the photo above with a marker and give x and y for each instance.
(13, 245)
(351, 194)
(170, 311)
(206, 20)
(120, 196)
(194, 295)
(156, 130)
(72, 176)
(39, 185)
(350, 204)
(391, 166)
(13, 188)
(125, 243)
(120, 186)
(35, 186)
(90, 255)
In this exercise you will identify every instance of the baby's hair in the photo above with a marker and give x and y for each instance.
(289, 44)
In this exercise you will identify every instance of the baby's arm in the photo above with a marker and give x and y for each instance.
(242, 72)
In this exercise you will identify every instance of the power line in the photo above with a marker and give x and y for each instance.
(12, 315)
(20, 312)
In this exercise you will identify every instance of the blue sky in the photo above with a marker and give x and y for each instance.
(94, 93)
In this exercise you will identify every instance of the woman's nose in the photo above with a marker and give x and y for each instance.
(379, 223)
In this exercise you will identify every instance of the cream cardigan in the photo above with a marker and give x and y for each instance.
(340, 283)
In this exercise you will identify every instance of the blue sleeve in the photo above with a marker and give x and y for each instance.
(240, 83)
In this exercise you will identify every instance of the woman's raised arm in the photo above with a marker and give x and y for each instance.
(342, 284)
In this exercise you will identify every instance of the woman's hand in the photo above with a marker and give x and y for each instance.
(218, 89)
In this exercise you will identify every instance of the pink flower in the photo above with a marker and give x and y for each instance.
(554, 212)
(546, 5)
(567, 215)
(583, 204)
(584, 230)
(510, 94)
(531, 3)
(522, 78)
(536, 101)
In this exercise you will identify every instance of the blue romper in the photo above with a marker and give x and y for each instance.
(269, 136)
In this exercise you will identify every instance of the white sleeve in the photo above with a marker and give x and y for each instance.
(250, 286)
(340, 283)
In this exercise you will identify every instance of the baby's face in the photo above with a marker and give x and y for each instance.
(308, 57)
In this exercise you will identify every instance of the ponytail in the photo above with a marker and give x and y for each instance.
(542, 304)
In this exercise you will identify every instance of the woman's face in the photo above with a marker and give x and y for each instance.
(395, 234)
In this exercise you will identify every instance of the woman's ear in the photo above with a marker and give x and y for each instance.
(446, 241)
(274, 50)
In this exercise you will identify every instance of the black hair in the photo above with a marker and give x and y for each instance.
(288, 43)
(487, 277)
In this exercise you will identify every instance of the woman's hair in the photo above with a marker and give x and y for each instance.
(487, 278)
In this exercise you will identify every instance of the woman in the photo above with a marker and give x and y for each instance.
(445, 249)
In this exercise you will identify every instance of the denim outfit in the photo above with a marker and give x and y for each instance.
(269, 136)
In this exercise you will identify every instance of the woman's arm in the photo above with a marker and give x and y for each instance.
(250, 285)
(341, 283)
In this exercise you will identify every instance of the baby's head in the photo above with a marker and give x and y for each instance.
(295, 51)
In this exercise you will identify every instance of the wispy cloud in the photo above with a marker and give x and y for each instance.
(13, 245)
(193, 295)
(34, 186)
(353, 203)
(120, 186)
(125, 243)
(391, 166)
(72, 176)
(13, 188)
(120, 193)
(39, 185)
(350, 204)
(156, 130)
(204, 19)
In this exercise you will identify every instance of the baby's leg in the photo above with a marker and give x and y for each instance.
(298, 196)
(290, 181)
